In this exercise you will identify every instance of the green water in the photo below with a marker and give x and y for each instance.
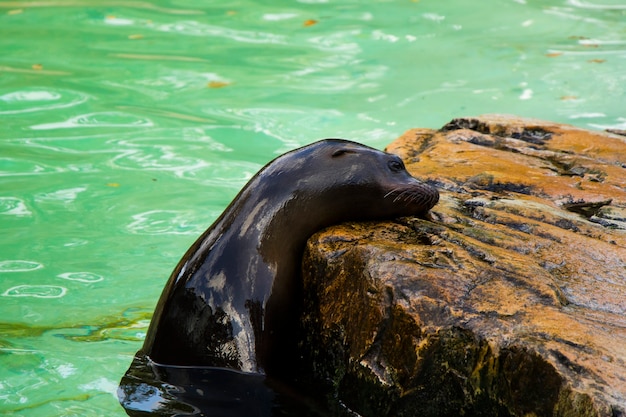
(126, 127)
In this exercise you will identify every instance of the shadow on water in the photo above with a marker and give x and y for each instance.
(150, 389)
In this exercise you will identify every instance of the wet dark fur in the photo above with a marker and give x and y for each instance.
(234, 298)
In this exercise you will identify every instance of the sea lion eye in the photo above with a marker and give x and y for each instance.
(395, 165)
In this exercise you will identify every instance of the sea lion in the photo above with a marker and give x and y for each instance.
(234, 299)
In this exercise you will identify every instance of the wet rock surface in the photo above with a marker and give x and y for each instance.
(510, 300)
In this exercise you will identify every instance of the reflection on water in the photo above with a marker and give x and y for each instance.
(127, 126)
(167, 391)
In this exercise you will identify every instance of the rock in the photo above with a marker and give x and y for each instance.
(509, 301)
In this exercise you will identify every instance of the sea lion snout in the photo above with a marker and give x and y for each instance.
(417, 196)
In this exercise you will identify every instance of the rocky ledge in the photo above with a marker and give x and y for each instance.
(510, 300)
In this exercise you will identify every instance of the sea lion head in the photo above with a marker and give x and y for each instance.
(344, 180)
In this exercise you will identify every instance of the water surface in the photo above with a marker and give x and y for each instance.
(126, 128)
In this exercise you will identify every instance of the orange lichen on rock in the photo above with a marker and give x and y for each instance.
(507, 301)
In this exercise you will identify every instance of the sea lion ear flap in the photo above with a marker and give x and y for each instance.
(341, 152)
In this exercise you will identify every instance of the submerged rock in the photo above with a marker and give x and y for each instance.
(509, 301)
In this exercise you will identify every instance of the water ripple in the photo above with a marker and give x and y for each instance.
(161, 86)
(25, 168)
(19, 266)
(196, 157)
(567, 14)
(620, 124)
(39, 99)
(36, 291)
(14, 206)
(65, 370)
(76, 242)
(337, 42)
(66, 195)
(194, 28)
(169, 114)
(163, 222)
(585, 5)
(87, 277)
(270, 122)
(100, 119)
(5, 68)
(102, 385)
(14, 391)
(154, 57)
(152, 156)
(78, 3)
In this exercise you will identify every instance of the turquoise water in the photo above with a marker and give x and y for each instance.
(126, 128)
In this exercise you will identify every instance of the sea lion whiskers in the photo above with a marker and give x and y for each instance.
(404, 194)
(390, 192)
(419, 193)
